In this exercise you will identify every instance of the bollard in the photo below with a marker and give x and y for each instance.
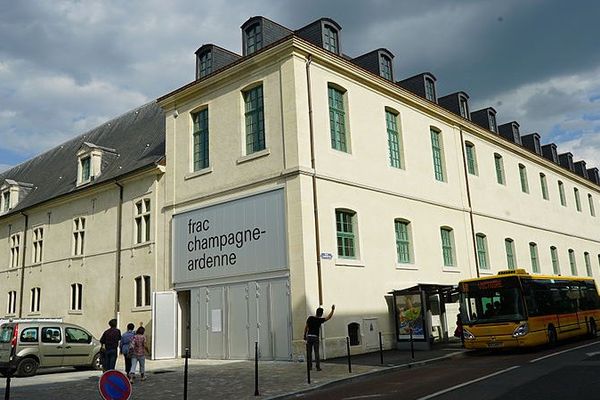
(380, 348)
(256, 393)
(308, 362)
(185, 374)
(348, 350)
(7, 389)
(412, 345)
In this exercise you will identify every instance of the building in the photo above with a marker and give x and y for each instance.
(284, 178)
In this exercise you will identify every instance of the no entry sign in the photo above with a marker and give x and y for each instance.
(114, 385)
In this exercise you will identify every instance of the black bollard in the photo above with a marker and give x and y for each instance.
(7, 389)
(256, 393)
(412, 345)
(380, 348)
(185, 374)
(348, 350)
(308, 363)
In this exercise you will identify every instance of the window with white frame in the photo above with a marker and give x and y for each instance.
(533, 254)
(143, 291)
(254, 115)
(330, 39)
(511, 260)
(403, 245)
(572, 262)
(591, 204)
(337, 118)
(447, 238)
(588, 263)
(86, 169)
(35, 300)
(346, 231)
(142, 221)
(76, 296)
(11, 304)
(471, 158)
(38, 245)
(15, 249)
(555, 260)
(577, 200)
(523, 175)
(499, 169)
(561, 193)
(482, 251)
(544, 187)
(78, 236)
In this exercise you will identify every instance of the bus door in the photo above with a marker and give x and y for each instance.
(568, 317)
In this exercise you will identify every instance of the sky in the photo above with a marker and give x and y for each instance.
(68, 66)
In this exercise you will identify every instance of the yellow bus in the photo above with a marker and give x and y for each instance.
(516, 309)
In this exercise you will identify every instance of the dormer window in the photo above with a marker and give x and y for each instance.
(330, 39)
(254, 39)
(86, 168)
(492, 122)
(5, 206)
(464, 107)
(429, 89)
(89, 161)
(385, 67)
(204, 64)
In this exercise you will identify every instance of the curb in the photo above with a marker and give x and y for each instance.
(382, 371)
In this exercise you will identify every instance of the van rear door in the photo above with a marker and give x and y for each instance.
(51, 346)
(6, 335)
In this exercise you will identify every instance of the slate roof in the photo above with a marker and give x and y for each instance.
(137, 137)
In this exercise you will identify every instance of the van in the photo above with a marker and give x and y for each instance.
(42, 344)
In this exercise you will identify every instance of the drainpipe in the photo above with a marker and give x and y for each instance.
(118, 255)
(466, 171)
(23, 264)
(314, 177)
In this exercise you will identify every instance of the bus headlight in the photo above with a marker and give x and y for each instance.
(521, 330)
(468, 335)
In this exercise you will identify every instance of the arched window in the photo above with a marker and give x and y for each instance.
(499, 169)
(143, 291)
(447, 237)
(354, 333)
(482, 251)
(511, 259)
(330, 39)
(254, 39)
(385, 67)
(471, 158)
(403, 241)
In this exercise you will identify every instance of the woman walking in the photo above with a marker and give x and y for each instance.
(139, 349)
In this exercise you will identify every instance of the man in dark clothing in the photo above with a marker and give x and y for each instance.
(311, 335)
(110, 342)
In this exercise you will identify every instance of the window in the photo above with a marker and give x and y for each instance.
(143, 291)
(523, 175)
(38, 245)
(78, 236)
(345, 222)
(437, 151)
(471, 158)
(201, 159)
(75, 335)
(555, 262)
(35, 300)
(385, 67)
(591, 204)
(429, 89)
(544, 186)
(337, 119)
(142, 221)
(499, 168)
(482, 252)
(492, 122)
(254, 40)
(5, 200)
(330, 39)
(51, 335)
(561, 192)
(572, 262)
(15, 247)
(588, 263)
(403, 248)
(533, 253)
(86, 168)
(29, 335)
(447, 246)
(11, 304)
(394, 141)
(464, 107)
(255, 120)
(76, 296)
(205, 64)
(509, 245)
(577, 201)
(354, 334)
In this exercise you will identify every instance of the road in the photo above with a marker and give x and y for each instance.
(569, 371)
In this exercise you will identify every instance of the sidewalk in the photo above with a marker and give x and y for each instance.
(218, 379)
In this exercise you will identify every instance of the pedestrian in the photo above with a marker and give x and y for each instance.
(311, 335)
(126, 344)
(458, 332)
(110, 342)
(139, 354)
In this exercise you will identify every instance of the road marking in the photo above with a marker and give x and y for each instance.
(563, 351)
(431, 396)
(367, 396)
(595, 353)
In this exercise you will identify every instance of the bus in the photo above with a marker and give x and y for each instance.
(516, 309)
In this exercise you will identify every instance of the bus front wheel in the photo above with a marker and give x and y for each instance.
(593, 328)
(552, 336)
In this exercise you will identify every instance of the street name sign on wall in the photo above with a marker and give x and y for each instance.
(239, 237)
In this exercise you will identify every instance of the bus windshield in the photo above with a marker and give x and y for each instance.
(492, 300)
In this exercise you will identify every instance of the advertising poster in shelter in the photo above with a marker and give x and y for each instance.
(410, 315)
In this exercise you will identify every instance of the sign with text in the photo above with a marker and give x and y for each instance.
(239, 237)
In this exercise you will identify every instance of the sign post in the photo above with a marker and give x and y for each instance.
(114, 385)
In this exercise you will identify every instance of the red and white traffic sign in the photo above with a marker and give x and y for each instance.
(114, 385)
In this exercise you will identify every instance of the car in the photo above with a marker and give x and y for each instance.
(26, 346)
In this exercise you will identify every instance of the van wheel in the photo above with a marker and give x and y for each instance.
(552, 338)
(593, 328)
(96, 362)
(27, 367)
